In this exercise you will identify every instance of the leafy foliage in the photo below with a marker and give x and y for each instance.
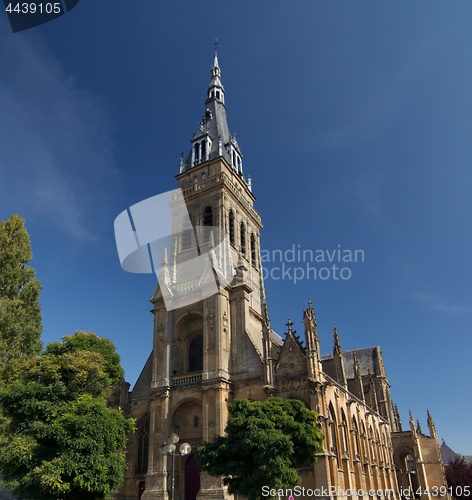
(63, 441)
(20, 316)
(265, 441)
(89, 342)
(458, 475)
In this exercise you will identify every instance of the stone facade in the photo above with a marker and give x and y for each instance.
(223, 347)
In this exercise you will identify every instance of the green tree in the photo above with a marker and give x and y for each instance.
(264, 444)
(107, 371)
(20, 316)
(63, 440)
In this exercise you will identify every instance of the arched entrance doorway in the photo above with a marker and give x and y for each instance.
(187, 422)
(141, 489)
(192, 478)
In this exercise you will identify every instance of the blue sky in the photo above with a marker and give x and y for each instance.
(355, 122)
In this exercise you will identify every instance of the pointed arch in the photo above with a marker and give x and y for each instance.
(345, 441)
(332, 432)
(355, 432)
(142, 446)
(364, 440)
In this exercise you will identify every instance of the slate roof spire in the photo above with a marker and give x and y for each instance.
(212, 139)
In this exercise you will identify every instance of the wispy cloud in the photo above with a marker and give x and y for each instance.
(56, 156)
(437, 303)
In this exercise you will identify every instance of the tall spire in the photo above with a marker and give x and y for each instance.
(397, 418)
(215, 89)
(337, 344)
(358, 386)
(212, 138)
(338, 359)
(312, 342)
(412, 423)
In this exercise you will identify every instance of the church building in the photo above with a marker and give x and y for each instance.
(222, 347)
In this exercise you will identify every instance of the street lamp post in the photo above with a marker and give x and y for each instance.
(168, 448)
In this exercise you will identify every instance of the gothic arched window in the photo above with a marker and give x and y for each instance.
(143, 448)
(195, 354)
(332, 431)
(231, 227)
(243, 239)
(355, 431)
(378, 450)
(372, 446)
(364, 438)
(207, 223)
(386, 451)
(253, 250)
(344, 433)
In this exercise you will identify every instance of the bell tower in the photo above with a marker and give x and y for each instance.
(218, 347)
